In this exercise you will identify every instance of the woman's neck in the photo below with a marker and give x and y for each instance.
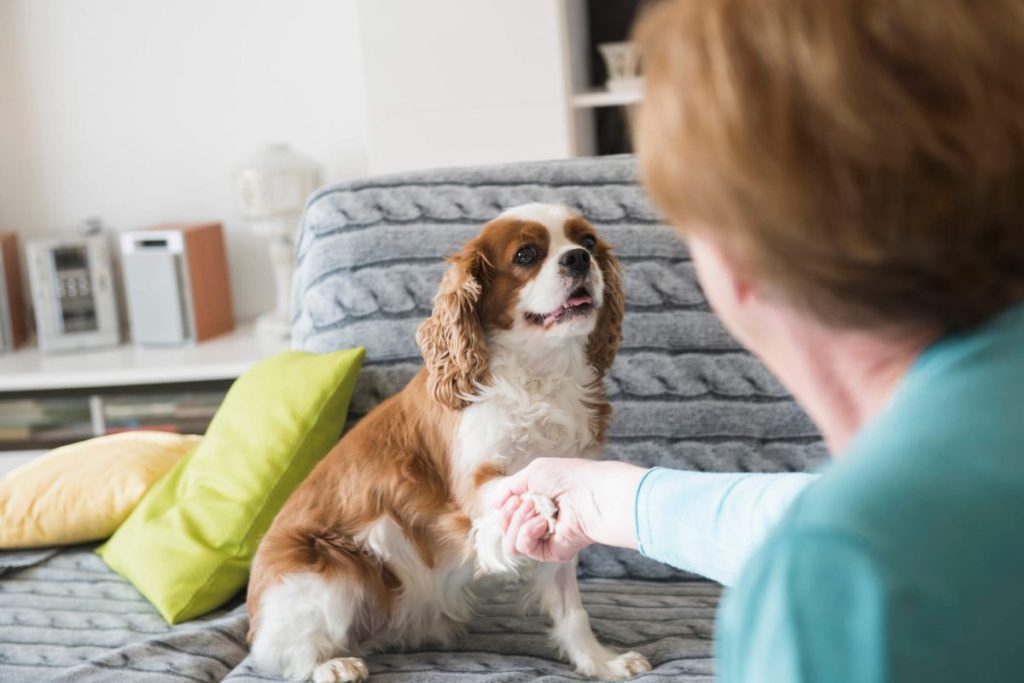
(843, 379)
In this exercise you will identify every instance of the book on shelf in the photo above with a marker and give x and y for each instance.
(15, 433)
(30, 422)
(22, 412)
(47, 422)
(161, 409)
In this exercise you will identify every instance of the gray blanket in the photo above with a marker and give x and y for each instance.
(70, 619)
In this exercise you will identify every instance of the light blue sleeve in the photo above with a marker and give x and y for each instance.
(709, 523)
(808, 608)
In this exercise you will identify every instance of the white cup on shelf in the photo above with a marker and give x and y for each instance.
(620, 58)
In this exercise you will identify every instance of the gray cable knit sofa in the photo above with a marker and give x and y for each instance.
(369, 259)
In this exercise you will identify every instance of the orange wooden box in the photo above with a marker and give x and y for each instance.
(10, 271)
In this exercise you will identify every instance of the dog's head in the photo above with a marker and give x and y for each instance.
(538, 270)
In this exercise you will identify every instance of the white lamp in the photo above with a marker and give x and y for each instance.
(272, 188)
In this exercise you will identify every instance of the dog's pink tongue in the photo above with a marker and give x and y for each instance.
(553, 315)
(573, 302)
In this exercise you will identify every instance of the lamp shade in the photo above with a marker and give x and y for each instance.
(275, 183)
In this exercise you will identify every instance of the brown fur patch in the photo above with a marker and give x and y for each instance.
(487, 472)
(606, 338)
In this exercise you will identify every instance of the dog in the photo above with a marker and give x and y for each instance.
(381, 545)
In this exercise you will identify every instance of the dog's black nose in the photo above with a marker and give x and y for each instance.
(576, 260)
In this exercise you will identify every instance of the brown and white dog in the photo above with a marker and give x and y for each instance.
(381, 544)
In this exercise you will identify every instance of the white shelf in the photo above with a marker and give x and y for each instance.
(222, 358)
(10, 460)
(602, 97)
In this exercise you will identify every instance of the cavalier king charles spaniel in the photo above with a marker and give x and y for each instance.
(382, 544)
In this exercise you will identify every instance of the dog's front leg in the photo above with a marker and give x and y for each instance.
(488, 535)
(554, 586)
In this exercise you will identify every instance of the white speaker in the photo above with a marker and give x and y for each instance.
(176, 284)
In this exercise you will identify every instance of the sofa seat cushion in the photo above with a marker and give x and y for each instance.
(70, 618)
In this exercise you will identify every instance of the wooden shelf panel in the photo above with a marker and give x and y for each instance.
(605, 98)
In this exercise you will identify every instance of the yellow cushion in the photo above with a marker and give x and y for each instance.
(82, 492)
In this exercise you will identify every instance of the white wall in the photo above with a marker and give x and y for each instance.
(137, 111)
(463, 82)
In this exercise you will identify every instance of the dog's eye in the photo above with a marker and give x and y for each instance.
(588, 242)
(526, 255)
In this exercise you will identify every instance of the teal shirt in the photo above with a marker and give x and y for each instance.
(905, 561)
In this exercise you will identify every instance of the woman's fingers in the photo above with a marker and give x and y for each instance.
(519, 517)
(526, 533)
(530, 539)
(507, 510)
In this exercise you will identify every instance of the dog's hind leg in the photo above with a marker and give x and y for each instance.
(304, 628)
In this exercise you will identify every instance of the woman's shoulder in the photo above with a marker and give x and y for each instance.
(946, 451)
(915, 503)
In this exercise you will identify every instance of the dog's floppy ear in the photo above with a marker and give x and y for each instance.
(604, 341)
(452, 338)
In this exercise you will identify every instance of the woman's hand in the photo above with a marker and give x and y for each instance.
(594, 501)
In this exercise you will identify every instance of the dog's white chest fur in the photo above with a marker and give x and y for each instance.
(541, 404)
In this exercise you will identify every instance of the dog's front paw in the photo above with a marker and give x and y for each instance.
(619, 668)
(545, 507)
(341, 670)
(492, 559)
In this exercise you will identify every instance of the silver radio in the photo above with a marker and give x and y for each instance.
(73, 296)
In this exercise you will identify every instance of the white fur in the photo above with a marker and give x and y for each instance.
(304, 620)
(432, 605)
(341, 670)
(550, 288)
(551, 216)
(540, 400)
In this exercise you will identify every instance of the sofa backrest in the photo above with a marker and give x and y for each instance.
(684, 393)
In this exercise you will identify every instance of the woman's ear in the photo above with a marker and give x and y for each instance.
(606, 338)
(731, 294)
(452, 338)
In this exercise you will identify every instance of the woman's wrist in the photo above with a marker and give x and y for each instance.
(611, 488)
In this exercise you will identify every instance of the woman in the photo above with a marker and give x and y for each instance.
(850, 177)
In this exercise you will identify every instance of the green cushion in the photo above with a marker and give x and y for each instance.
(188, 545)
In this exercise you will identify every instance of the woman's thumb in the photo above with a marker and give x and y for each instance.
(513, 485)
